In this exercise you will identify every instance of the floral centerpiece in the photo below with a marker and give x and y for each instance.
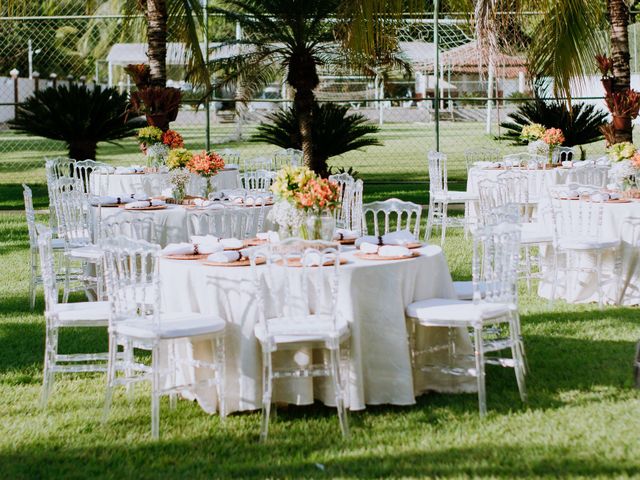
(542, 141)
(625, 168)
(178, 158)
(532, 132)
(553, 137)
(179, 178)
(156, 144)
(205, 164)
(305, 203)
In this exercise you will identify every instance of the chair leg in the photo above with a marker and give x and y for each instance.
(173, 396)
(220, 375)
(33, 281)
(527, 266)
(445, 208)
(517, 353)
(466, 222)
(128, 370)
(554, 281)
(267, 383)
(599, 279)
(479, 357)
(111, 376)
(430, 219)
(155, 393)
(67, 274)
(337, 386)
(50, 352)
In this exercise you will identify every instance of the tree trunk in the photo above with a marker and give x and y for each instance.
(619, 19)
(156, 13)
(304, 100)
(83, 150)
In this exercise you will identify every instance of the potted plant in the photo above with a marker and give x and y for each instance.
(605, 65)
(159, 104)
(624, 107)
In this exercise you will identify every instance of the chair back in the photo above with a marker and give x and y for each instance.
(47, 267)
(133, 225)
(352, 208)
(496, 258)
(492, 195)
(437, 173)
(58, 167)
(345, 185)
(226, 222)
(484, 154)
(577, 212)
(72, 211)
(591, 174)
(516, 185)
(31, 217)
(254, 204)
(299, 278)
(231, 157)
(84, 168)
(132, 278)
(258, 163)
(526, 160)
(393, 213)
(287, 157)
(257, 180)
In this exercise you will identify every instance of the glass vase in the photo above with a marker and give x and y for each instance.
(179, 193)
(208, 187)
(319, 227)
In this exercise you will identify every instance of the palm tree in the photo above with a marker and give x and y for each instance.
(290, 37)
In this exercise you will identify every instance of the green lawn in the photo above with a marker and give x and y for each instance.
(582, 418)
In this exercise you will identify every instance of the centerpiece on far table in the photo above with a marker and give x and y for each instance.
(625, 167)
(156, 145)
(542, 141)
(305, 204)
(207, 165)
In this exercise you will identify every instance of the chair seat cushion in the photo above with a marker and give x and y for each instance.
(312, 328)
(453, 196)
(173, 325)
(534, 233)
(83, 313)
(586, 243)
(447, 311)
(88, 252)
(464, 289)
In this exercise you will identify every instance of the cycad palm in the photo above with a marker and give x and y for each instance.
(288, 37)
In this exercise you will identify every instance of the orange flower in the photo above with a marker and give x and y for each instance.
(318, 194)
(172, 139)
(635, 160)
(206, 164)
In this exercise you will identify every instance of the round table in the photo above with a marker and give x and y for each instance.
(170, 223)
(372, 298)
(584, 289)
(156, 184)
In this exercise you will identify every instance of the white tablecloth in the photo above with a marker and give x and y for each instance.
(154, 184)
(170, 223)
(373, 296)
(584, 288)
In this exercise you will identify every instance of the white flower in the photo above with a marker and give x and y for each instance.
(621, 170)
(538, 147)
(179, 178)
(286, 215)
(157, 153)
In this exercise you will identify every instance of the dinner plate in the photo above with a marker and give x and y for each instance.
(187, 257)
(145, 209)
(375, 256)
(618, 200)
(245, 262)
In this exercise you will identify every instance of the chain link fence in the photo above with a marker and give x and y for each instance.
(41, 51)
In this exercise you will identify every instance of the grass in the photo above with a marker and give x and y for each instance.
(581, 421)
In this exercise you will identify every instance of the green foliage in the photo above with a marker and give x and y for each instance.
(350, 171)
(334, 132)
(78, 115)
(580, 126)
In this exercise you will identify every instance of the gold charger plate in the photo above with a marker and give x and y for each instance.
(245, 262)
(146, 209)
(186, 257)
(375, 256)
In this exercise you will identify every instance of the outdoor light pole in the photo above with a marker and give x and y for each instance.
(436, 70)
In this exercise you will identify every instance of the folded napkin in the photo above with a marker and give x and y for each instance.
(144, 204)
(344, 234)
(110, 200)
(231, 243)
(394, 251)
(226, 257)
(567, 164)
(207, 244)
(131, 169)
(483, 164)
(401, 237)
(599, 197)
(367, 247)
(183, 248)
(270, 236)
(615, 195)
(257, 200)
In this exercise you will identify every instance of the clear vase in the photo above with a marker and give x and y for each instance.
(178, 194)
(208, 187)
(319, 227)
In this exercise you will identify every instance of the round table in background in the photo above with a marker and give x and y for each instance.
(372, 297)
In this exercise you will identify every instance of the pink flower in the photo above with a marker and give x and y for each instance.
(635, 161)
(553, 136)
(205, 163)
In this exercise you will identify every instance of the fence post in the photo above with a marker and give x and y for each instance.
(436, 70)
(207, 102)
(16, 97)
(36, 81)
(54, 80)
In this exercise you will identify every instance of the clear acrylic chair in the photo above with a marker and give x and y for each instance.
(231, 157)
(352, 208)
(287, 156)
(440, 198)
(255, 203)
(629, 269)
(84, 168)
(591, 174)
(525, 160)
(492, 315)
(576, 212)
(227, 222)
(134, 225)
(345, 183)
(484, 154)
(65, 315)
(393, 214)
(257, 163)
(297, 292)
(133, 287)
(257, 180)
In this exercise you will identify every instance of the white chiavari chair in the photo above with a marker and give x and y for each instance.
(287, 157)
(484, 154)
(577, 212)
(297, 293)
(133, 225)
(227, 222)
(55, 168)
(65, 315)
(133, 287)
(393, 214)
(84, 168)
(495, 266)
(353, 213)
(440, 197)
(257, 180)
(345, 183)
